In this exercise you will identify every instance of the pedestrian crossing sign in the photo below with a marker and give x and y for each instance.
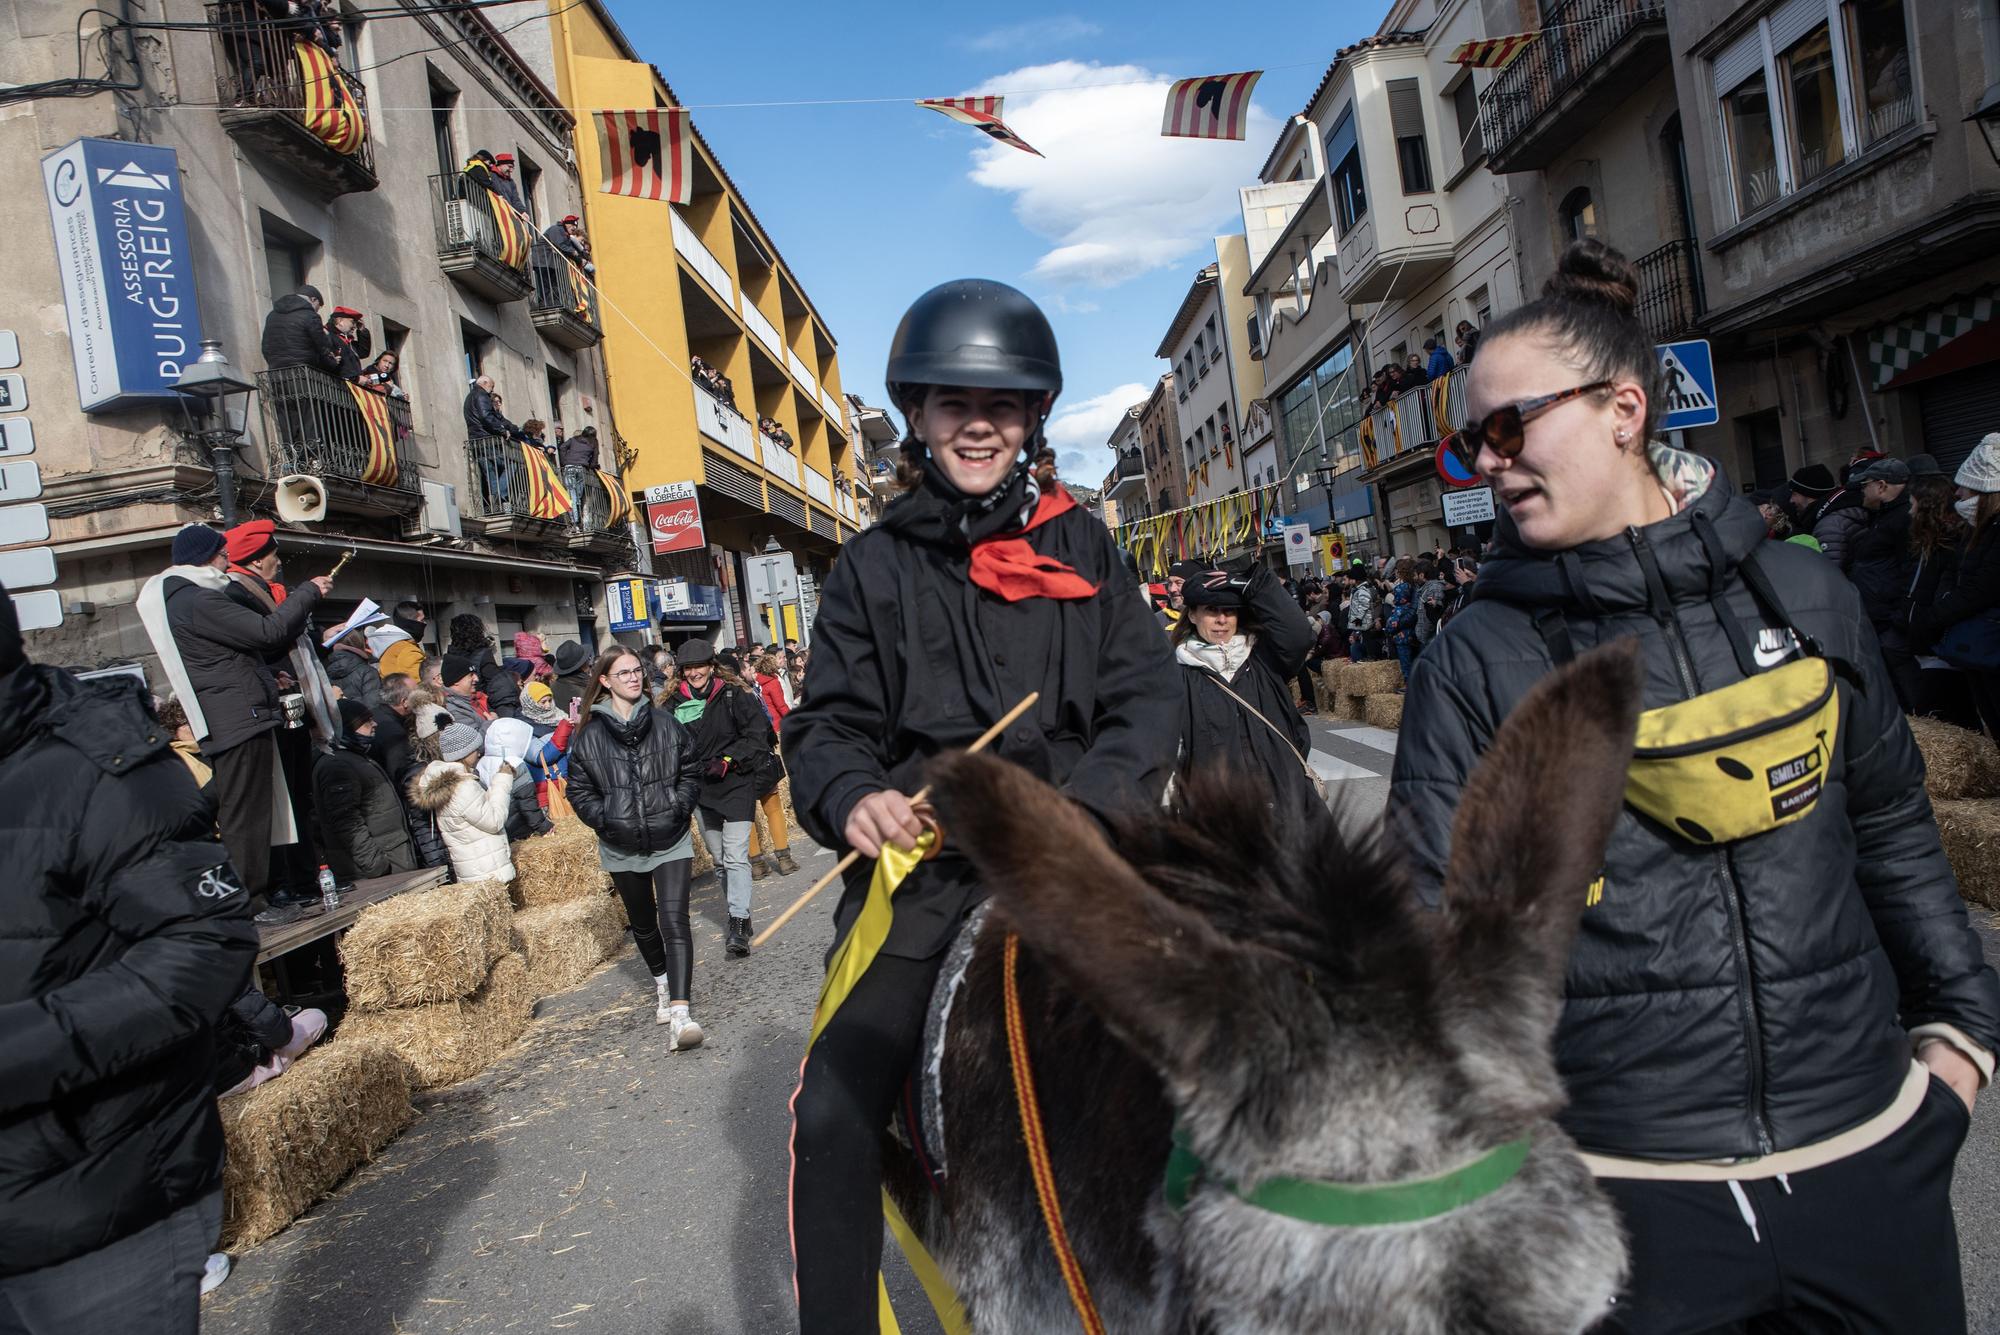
(1687, 385)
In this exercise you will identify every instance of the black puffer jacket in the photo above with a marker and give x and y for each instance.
(124, 936)
(635, 780)
(1216, 731)
(224, 646)
(366, 831)
(293, 336)
(355, 674)
(1729, 1001)
(727, 722)
(1881, 561)
(1969, 588)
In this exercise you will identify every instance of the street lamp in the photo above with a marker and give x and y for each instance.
(1987, 113)
(215, 401)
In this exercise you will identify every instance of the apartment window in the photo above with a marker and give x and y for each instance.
(286, 260)
(1753, 153)
(529, 177)
(444, 98)
(1814, 104)
(1343, 156)
(474, 344)
(1879, 46)
(1465, 110)
(1579, 215)
(1406, 121)
(559, 401)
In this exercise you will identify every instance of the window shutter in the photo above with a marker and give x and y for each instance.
(1793, 20)
(1738, 62)
(1406, 108)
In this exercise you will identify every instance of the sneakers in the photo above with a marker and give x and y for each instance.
(738, 941)
(217, 1270)
(782, 861)
(760, 867)
(683, 1033)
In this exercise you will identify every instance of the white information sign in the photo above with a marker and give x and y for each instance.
(1463, 509)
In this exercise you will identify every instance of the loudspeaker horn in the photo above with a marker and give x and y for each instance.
(301, 499)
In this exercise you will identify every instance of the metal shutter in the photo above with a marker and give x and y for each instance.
(1744, 57)
(1793, 20)
(731, 480)
(823, 526)
(786, 506)
(1958, 409)
(1406, 108)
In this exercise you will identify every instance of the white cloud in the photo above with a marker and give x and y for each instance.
(1034, 33)
(1079, 430)
(1115, 198)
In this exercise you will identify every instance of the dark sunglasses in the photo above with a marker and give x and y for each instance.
(1501, 429)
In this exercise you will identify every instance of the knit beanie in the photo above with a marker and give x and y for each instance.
(196, 545)
(457, 667)
(458, 741)
(352, 714)
(1981, 469)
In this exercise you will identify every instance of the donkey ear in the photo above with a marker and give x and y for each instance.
(1154, 971)
(1530, 834)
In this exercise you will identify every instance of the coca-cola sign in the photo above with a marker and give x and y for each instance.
(674, 515)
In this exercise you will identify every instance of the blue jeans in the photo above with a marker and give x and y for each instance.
(498, 473)
(729, 844)
(148, 1281)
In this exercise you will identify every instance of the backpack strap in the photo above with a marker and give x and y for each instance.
(1554, 630)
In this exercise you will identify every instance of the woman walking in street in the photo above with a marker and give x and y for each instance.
(1238, 647)
(974, 589)
(633, 779)
(1776, 1016)
(732, 750)
(1964, 620)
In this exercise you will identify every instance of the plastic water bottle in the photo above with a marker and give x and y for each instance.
(329, 897)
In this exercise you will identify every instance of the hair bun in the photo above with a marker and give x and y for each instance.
(1591, 271)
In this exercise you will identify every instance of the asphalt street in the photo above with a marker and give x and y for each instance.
(593, 1181)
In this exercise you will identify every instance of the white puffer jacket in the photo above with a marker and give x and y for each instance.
(472, 819)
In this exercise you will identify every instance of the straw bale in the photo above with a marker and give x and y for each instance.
(425, 946)
(1957, 763)
(1335, 673)
(1971, 832)
(703, 863)
(1384, 711)
(454, 1040)
(1376, 677)
(557, 866)
(562, 943)
(292, 1140)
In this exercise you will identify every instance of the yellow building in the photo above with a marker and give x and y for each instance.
(705, 281)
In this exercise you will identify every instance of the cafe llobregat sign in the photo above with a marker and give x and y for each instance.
(673, 514)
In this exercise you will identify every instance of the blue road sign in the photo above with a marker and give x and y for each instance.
(1687, 383)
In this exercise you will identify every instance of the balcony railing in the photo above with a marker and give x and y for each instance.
(702, 260)
(1575, 36)
(261, 80)
(565, 301)
(724, 425)
(845, 505)
(819, 488)
(333, 430)
(1413, 420)
(1670, 298)
(765, 332)
(833, 410)
(802, 375)
(779, 462)
(478, 242)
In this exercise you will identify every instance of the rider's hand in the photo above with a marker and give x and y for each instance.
(882, 818)
(324, 583)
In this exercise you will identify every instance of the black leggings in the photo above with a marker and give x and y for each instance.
(661, 896)
(847, 1091)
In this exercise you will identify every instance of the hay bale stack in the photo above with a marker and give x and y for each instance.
(1970, 828)
(1384, 711)
(1378, 676)
(703, 863)
(558, 866)
(562, 943)
(1957, 763)
(292, 1140)
(453, 1040)
(426, 946)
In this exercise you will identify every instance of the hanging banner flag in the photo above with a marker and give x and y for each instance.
(381, 470)
(621, 504)
(1214, 107)
(547, 497)
(981, 113)
(331, 112)
(647, 154)
(1491, 53)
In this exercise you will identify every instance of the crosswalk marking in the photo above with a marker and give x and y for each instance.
(1333, 769)
(1381, 739)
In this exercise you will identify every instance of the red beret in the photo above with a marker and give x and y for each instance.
(247, 542)
(570, 218)
(347, 310)
(504, 157)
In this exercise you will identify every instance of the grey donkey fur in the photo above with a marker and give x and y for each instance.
(1270, 984)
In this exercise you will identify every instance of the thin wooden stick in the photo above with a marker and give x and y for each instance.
(984, 740)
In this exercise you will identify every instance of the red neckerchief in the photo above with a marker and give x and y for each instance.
(1009, 567)
(277, 591)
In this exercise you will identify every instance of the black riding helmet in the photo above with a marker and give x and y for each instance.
(977, 333)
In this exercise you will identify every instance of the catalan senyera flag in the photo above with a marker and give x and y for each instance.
(1364, 432)
(1491, 53)
(647, 154)
(1215, 106)
(547, 497)
(381, 469)
(621, 504)
(331, 111)
(517, 234)
(982, 114)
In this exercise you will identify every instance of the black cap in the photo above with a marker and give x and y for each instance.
(1184, 570)
(1892, 471)
(1212, 588)
(1923, 465)
(695, 653)
(1814, 480)
(352, 714)
(569, 656)
(974, 332)
(311, 293)
(456, 667)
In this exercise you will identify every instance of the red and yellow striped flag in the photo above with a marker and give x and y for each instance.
(1365, 433)
(982, 114)
(621, 504)
(1491, 53)
(381, 469)
(547, 497)
(517, 234)
(331, 111)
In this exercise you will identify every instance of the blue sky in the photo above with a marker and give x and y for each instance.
(873, 203)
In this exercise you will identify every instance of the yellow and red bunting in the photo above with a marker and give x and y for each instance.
(647, 154)
(982, 114)
(621, 504)
(547, 497)
(330, 110)
(1491, 53)
(381, 469)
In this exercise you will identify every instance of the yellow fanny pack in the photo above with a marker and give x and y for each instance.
(1741, 760)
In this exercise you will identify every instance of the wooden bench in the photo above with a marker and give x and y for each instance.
(283, 938)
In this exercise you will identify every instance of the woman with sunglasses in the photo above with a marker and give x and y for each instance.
(1770, 1045)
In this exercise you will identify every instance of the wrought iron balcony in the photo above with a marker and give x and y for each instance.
(1670, 298)
(481, 243)
(564, 306)
(1590, 56)
(285, 96)
(356, 442)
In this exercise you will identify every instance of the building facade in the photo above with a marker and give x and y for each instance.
(1160, 447)
(1204, 395)
(1127, 492)
(367, 201)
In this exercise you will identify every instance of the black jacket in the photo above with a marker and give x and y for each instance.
(124, 936)
(634, 782)
(356, 674)
(1839, 518)
(483, 419)
(570, 686)
(558, 236)
(251, 1029)
(1881, 562)
(727, 722)
(503, 690)
(910, 658)
(579, 451)
(348, 355)
(1216, 731)
(1974, 587)
(223, 645)
(293, 336)
(392, 743)
(364, 829)
(1724, 1001)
